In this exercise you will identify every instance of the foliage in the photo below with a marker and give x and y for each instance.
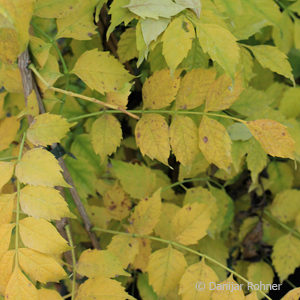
(148, 148)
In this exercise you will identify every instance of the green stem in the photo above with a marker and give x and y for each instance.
(8, 158)
(158, 111)
(284, 226)
(180, 246)
(69, 235)
(191, 180)
(284, 7)
(18, 204)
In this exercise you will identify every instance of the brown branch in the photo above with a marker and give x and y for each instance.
(29, 83)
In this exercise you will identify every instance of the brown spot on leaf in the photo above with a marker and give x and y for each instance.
(138, 135)
(112, 207)
(283, 133)
(205, 139)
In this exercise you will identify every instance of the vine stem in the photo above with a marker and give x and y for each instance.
(8, 158)
(158, 111)
(90, 99)
(69, 235)
(18, 204)
(180, 246)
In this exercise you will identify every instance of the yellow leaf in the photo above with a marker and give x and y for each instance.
(40, 50)
(102, 288)
(146, 214)
(7, 202)
(19, 287)
(179, 35)
(6, 172)
(79, 23)
(5, 236)
(152, 137)
(125, 248)
(32, 107)
(10, 78)
(47, 294)
(8, 131)
(47, 129)
(194, 88)
(138, 181)
(43, 202)
(101, 71)
(142, 258)
(215, 143)
(106, 135)
(164, 227)
(54, 8)
(117, 202)
(165, 268)
(191, 222)
(294, 294)
(252, 296)
(42, 236)
(221, 45)
(184, 139)
(233, 291)
(285, 205)
(98, 215)
(286, 255)
(273, 137)
(272, 58)
(9, 46)
(196, 282)
(31, 169)
(93, 263)
(39, 266)
(223, 93)
(119, 98)
(6, 269)
(160, 89)
(127, 45)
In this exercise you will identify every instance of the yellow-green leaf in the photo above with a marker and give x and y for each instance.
(6, 268)
(194, 88)
(117, 203)
(29, 169)
(47, 294)
(79, 23)
(273, 137)
(10, 78)
(191, 222)
(152, 137)
(285, 205)
(40, 50)
(54, 8)
(184, 139)
(286, 255)
(221, 45)
(6, 172)
(106, 135)
(7, 202)
(42, 236)
(19, 287)
(272, 58)
(93, 263)
(223, 93)
(165, 269)
(125, 248)
(8, 131)
(102, 288)
(101, 71)
(146, 214)
(5, 236)
(179, 35)
(137, 180)
(47, 129)
(197, 281)
(215, 143)
(160, 89)
(40, 266)
(294, 294)
(127, 45)
(44, 202)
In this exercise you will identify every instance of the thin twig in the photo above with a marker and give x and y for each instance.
(90, 99)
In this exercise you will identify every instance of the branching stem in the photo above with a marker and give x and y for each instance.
(180, 246)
